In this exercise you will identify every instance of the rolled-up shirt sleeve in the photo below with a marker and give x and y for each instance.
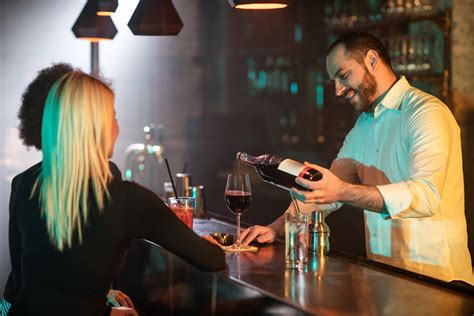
(345, 166)
(431, 135)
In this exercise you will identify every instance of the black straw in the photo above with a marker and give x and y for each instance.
(185, 167)
(171, 177)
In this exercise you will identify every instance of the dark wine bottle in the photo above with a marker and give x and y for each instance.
(280, 172)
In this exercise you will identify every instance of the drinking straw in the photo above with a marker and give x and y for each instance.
(171, 178)
(185, 167)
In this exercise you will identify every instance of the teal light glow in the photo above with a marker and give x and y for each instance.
(298, 33)
(128, 174)
(319, 96)
(262, 79)
(141, 167)
(251, 74)
(294, 88)
(313, 261)
(149, 149)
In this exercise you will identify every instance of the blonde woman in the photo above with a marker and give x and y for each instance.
(71, 219)
(30, 116)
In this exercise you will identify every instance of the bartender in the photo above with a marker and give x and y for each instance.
(401, 163)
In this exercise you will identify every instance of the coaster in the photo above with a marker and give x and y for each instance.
(248, 248)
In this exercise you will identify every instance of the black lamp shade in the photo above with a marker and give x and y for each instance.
(259, 4)
(155, 17)
(107, 7)
(90, 26)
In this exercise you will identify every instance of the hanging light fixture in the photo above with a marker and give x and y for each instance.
(155, 17)
(106, 7)
(91, 27)
(259, 4)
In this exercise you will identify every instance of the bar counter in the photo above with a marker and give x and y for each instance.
(332, 285)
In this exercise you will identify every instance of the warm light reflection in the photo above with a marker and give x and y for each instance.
(104, 13)
(261, 6)
(94, 39)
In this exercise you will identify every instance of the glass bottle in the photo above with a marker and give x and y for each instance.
(278, 171)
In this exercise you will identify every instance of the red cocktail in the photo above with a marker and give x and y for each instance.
(183, 208)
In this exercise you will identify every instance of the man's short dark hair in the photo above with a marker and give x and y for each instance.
(357, 44)
(33, 100)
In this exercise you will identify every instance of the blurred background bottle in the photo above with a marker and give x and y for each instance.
(145, 163)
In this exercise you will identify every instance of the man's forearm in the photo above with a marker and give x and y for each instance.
(363, 196)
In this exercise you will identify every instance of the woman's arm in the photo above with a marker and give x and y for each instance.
(151, 219)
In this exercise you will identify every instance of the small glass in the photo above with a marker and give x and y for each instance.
(183, 208)
(296, 240)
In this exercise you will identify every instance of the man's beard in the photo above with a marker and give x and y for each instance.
(365, 91)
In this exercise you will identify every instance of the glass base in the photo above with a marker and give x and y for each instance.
(296, 264)
(239, 246)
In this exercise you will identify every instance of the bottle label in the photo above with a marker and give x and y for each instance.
(293, 167)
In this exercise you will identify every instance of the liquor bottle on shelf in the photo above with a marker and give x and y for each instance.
(145, 162)
(278, 171)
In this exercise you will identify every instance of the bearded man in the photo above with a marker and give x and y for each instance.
(401, 163)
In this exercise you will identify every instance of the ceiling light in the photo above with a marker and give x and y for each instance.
(91, 27)
(259, 4)
(155, 17)
(106, 7)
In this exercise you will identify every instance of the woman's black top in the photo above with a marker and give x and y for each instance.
(75, 281)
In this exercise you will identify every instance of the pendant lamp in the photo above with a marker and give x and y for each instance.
(107, 7)
(155, 17)
(91, 27)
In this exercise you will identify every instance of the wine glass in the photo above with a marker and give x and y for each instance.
(238, 196)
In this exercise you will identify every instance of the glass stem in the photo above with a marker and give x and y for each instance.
(238, 229)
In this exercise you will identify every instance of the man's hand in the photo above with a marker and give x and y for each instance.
(119, 298)
(263, 234)
(325, 191)
(331, 189)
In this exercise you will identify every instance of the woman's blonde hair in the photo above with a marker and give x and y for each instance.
(76, 139)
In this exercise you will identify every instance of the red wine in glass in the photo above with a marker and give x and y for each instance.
(238, 201)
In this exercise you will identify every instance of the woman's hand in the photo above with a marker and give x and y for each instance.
(211, 240)
(262, 234)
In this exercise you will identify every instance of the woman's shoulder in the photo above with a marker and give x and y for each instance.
(33, 170)
(29, 174)
(116, 173)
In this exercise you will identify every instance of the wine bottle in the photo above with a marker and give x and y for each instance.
(280, 172)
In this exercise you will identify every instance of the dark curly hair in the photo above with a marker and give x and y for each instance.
(33, 100)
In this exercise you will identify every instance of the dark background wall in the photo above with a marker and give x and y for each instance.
(230, 81)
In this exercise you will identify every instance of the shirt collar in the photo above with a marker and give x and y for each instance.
(393, 98)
